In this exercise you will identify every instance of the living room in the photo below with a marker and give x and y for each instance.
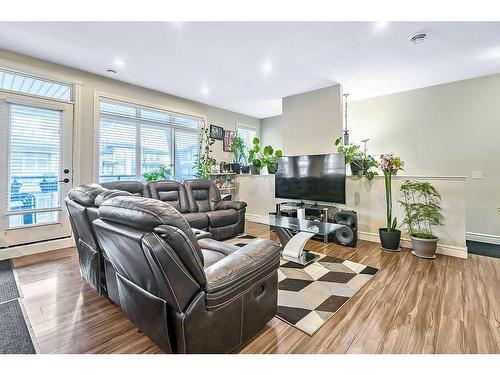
(248, 187)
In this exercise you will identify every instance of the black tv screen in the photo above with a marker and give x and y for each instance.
(311, 177)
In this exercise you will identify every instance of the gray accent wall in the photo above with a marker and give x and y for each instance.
(312, 120)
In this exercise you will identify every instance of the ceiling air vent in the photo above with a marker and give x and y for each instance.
(418, 38)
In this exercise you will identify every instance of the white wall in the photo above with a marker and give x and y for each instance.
(368, 200)
(311, 121)
(446, 130)
(91, 83)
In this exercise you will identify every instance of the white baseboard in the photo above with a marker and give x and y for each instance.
(482, 237)
(35, 248)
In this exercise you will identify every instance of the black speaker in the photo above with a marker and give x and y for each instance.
(348, 235)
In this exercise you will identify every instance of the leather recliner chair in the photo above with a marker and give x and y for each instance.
(183, 301)
(226, 219)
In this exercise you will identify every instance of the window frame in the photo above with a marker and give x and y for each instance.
(43, 77)
(98, 96)
(247, 127)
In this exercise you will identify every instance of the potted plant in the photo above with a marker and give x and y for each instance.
(422, 205)
(161, 173)
(238, 148)
(360, 162)
(205, 162)
(265, 158)
(390, 236)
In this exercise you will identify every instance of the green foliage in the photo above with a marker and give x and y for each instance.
(349, 151)
(205, 162)
(422, 205)
(262, 157)
(361, 160)
(390, 165)
(162, 173)
(239, 149)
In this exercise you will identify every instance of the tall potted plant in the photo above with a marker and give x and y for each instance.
(422, 206)
(204, 161)
(390, 236)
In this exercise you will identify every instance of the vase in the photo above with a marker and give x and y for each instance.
(424, 247)
(264, 171)
(390, 240)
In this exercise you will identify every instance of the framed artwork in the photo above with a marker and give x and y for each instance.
(228, 139)
(216, 132)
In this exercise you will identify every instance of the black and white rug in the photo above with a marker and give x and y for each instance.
(308, 296)
(15, 333)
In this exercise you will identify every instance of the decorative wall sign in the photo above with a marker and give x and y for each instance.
(228, 139)
(216, 132)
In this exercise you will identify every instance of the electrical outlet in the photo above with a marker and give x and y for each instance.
(477, 175)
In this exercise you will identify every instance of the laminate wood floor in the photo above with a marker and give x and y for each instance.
(447, 305)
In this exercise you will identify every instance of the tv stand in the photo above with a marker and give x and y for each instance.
(313, 212)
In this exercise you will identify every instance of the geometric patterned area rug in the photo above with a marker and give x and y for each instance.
(308, 296)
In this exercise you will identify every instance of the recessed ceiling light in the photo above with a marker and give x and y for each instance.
(119, 62)
(418, 38)
(267, 67)
(112, 71)
(204, 90)
(381, 25)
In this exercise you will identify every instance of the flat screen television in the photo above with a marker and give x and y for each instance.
(311, 177)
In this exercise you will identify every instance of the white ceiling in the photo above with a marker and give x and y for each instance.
(180, 58)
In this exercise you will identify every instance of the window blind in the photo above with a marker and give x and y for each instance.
(34, 162)
(135, 139)
(247, 134)
(26, 84)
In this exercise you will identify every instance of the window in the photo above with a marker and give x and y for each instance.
(34, 164)
(134, 140)
(247, 133)
(34, 86)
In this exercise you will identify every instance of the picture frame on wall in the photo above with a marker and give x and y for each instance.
(228, 140)
(216, 132)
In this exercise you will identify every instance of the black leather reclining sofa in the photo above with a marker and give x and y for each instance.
(187, 291)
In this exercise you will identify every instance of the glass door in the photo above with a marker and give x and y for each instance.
(36, 169)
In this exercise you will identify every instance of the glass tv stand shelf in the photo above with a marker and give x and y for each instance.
(294, 233)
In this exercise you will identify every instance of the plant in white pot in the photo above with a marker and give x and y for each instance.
(390, 236)
(422, 206)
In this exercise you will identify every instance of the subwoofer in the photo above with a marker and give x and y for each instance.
(347, 235)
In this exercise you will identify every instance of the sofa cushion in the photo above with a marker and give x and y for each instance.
(136, 188)
(222, 218)
(202, 195)
(86, 194)
(210, 257)
(214, 245)
(101, 198)
(196, 220)
(172, 192)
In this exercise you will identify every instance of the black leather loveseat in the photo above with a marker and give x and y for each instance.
(189, 294)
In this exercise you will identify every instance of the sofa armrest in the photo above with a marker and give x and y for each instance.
(240, 270)
(225, 205)
(199, 234)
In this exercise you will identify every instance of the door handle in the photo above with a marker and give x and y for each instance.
(66, 180)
